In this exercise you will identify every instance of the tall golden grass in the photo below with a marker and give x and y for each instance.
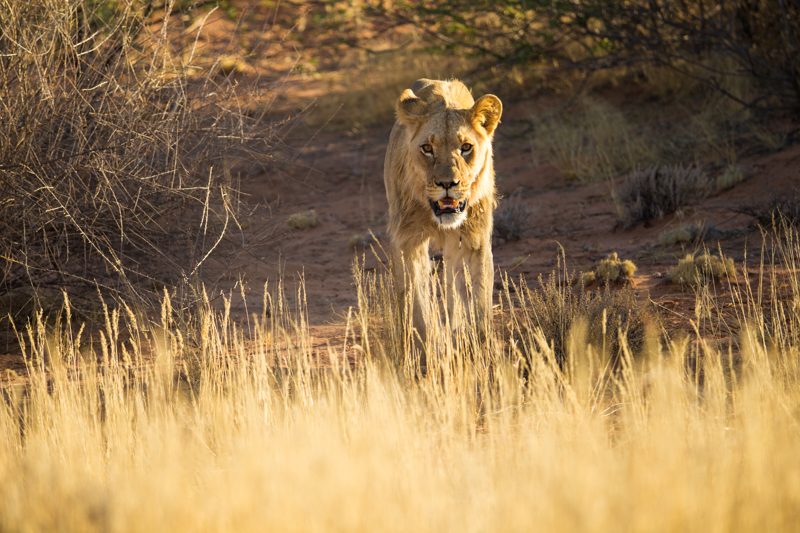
(228, 426)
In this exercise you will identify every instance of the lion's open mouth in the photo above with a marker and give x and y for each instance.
(447, 206)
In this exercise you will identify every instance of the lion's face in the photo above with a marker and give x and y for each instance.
(449, 148)
(449, 153)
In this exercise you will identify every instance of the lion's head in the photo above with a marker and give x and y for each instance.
(449, 146)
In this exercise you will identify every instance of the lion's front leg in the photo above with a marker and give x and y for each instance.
(412, 274)
(470, 275)
(484, 285)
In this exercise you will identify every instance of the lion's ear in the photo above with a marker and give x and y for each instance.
(410, 108)
(486, 113)
(420, 84)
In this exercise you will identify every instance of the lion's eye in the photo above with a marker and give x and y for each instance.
(466, 148)
(426, 149)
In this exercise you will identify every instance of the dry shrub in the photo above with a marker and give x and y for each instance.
(511, 218)
(656, 191)
(730, 176)
(303, 220)
(593, 141)
(610, 270)
(684, 234)
(558, 305)
(114, 161)
(696, 270)
(695, 233)
(778, 211)
(364, 240)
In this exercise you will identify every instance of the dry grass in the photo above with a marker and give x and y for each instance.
(511, 218)
(608, 318)
(700, 269)
(610, 270)
(653, 192)
(115, 163)
(729, 177)
(593, 141)
(231, 427)
(303, 220)
(684, 234)
(364, 240)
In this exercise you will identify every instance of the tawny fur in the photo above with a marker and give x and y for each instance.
(442, 116)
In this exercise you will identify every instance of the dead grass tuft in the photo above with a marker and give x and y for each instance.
(303, 220)
(511, 218)
(730, 176)
(363, 241)
(684, 234)
(653, 192)
(608, 316)
(610, 270)
(695, 270)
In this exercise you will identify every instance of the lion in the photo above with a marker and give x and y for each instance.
(440, 186)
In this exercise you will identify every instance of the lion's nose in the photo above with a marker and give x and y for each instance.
(446, 184)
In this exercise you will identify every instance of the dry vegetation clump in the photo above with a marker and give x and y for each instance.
(695, 233)
(114, 163)
(730, 176)
(511, 218)
(780, 210)
(597, 140)
(683, 234)
(303, 220)
(363, 241)
(609, 317)
(653, 192)
(699, 269)
(610, 270)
